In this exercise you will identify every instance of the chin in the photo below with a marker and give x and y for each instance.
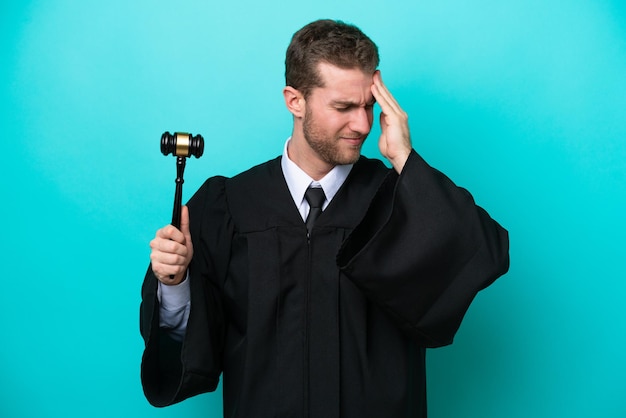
(349, 157)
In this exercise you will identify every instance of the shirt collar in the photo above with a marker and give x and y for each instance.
(298, 181)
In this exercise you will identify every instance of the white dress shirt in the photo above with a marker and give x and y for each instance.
(175, 300)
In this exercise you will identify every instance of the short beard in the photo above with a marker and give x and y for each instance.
(326, 148)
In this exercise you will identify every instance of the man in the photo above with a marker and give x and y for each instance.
(327, 317)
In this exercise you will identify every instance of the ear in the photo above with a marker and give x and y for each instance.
(294, 100)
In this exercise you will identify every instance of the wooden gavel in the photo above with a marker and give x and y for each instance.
(182, 145)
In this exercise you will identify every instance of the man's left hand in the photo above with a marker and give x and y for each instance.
(395, 139)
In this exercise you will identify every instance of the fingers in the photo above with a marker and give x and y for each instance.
(168, 259)
(166, 250)
(384, 98)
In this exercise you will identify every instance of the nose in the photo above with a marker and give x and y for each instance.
(361, 120)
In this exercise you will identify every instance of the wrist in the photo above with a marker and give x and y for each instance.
(399, 161)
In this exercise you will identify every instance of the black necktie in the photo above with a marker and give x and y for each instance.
(315, 196)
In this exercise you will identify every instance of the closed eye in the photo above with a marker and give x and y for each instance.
(349, 106)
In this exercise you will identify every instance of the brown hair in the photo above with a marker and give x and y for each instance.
(334, 42)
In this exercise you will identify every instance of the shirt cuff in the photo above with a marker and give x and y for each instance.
(176, 297)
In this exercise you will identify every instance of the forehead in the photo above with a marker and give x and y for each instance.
(344, 84)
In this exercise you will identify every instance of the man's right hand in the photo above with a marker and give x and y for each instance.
(172, 250)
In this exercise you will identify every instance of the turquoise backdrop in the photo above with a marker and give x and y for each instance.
(523, 102)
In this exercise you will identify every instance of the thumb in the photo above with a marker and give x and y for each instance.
(184, 223)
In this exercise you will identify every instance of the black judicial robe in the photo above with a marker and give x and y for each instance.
(331, 326)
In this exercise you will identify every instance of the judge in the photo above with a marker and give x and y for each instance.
(314, 282)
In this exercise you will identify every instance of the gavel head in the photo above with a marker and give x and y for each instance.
(182, 144)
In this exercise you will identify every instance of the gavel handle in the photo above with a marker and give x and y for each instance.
(178, 196)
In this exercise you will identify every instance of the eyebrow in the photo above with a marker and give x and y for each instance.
(349, 103)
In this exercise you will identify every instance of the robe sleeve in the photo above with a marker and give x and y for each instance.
(423, 251)
(172, 371)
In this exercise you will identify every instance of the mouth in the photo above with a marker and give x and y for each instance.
(354, 141)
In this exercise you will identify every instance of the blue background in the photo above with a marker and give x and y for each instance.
(521, 102)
